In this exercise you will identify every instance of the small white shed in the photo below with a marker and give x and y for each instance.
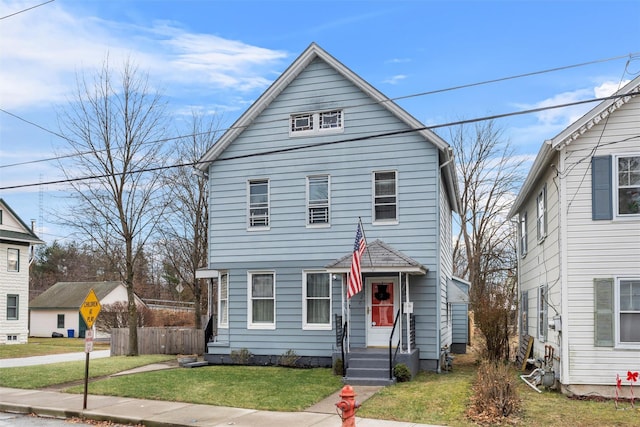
(58, 308)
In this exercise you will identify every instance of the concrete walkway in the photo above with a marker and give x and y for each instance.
(52, 358)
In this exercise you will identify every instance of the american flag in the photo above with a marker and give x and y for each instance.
(355, 276)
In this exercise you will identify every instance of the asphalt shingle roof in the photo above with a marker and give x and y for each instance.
(380, 257)
(71, 294)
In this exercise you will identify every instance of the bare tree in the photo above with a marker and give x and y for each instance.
(113, 125)
(484, 250)
(186, 229)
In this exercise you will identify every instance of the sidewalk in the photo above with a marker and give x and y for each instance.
(52, 358)
(123, 410)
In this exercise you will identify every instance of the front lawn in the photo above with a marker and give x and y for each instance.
(253, 387)
(430, 398)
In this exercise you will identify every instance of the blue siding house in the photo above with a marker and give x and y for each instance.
(318, 152)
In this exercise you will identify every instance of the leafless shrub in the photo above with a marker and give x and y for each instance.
(495, 400)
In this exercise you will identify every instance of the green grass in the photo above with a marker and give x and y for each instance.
(45, 346)
(39, 376)
(264, 388)
(556, 409)
(430, 398)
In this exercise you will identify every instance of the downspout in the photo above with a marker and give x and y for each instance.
(407, 314)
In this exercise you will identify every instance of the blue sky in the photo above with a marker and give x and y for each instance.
(220, 55)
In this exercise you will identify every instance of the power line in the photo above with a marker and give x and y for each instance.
(27, 9)
(452, 88)
(327, 143)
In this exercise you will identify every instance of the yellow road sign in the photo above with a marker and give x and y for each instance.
(90, 308)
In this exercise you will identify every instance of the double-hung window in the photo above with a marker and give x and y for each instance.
(617, 312)
(318, 200)
(316, 300)
(385, 197)
(262, 300)
(13, 260)
(13, 306)
(542, 312)
(541, 213)
(258, 209)
(629, 311)
(523, 234)
(628, 183)
(223, 300)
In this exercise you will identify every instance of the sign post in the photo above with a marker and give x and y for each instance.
(89, 311)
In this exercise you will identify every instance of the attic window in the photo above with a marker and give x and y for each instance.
(318, 122)
(302, 122)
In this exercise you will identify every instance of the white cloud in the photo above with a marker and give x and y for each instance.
(42, 50)
(554, 120)
(395, 79)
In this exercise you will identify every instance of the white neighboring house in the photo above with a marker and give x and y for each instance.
(579, 247)
(17, 241)
(58, 308)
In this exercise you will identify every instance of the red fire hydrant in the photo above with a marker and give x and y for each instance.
(348, 406)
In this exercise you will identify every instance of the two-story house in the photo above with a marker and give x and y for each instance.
(579, 247)
(288, 183)
(16, 251)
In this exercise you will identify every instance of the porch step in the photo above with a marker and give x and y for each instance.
(195, 364)
(368, 367)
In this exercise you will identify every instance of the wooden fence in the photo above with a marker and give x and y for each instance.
(159, 341)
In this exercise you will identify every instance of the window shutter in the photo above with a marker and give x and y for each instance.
(603, 318)
(601, 188)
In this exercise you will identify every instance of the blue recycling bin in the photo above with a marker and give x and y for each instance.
(70, 333)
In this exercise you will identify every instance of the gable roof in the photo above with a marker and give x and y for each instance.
(379, 257)
(571, 133)
(71, 295)
(312, 52)
(25, 235)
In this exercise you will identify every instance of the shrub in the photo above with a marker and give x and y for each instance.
(402, 373)
(241, 356)
(338, 367)
(289, 358)
(495, 395)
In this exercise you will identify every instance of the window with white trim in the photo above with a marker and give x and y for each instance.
(316, 295)
(542, 312)
(13, 306)
(541, 213)
(316, 122)
(258, 204)
(385, 196)
(318, 200)
(12, 338)
(523, 235)
(628, 185)
(223, 300)
(13, 260)
(262, 300)
(60, 321)
(628, 311)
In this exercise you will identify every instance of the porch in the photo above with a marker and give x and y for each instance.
(376, 328)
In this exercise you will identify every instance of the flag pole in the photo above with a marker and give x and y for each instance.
(364, 236)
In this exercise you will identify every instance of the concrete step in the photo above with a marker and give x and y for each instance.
(368, 381)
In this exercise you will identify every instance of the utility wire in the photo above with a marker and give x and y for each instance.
(501, 79)
(310, 146)
(27, 9)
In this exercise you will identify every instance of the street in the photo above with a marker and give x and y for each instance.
(21, 420)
